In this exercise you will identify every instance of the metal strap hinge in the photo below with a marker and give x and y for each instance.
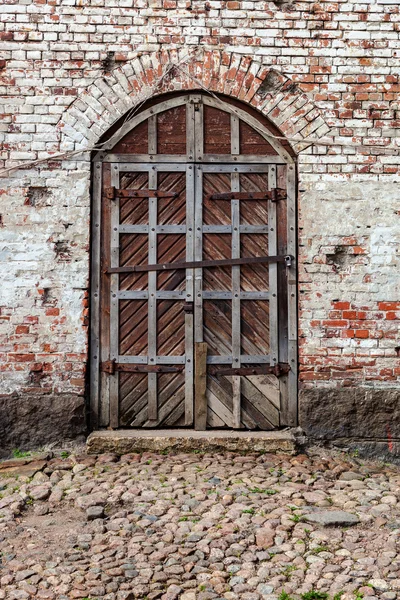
(113, 193)
(111, 367)
(277, 370)
(274, 195)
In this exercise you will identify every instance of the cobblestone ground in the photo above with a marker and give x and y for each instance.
(199, 526)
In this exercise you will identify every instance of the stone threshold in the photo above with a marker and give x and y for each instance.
(124, 441)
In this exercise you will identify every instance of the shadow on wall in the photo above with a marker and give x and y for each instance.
(361, 419)
(29, 421)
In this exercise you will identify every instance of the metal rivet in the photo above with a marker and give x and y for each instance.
(292, 295)
(273, 295)
(115, 229)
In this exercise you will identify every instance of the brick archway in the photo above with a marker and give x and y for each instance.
(110, 97)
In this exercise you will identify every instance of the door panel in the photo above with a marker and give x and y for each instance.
(233, 317)
(151, 320)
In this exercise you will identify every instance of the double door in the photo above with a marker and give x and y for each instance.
(195, 273)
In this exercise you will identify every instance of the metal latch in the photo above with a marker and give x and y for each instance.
(188, 308)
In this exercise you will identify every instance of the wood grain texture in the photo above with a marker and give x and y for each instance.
(235, 307)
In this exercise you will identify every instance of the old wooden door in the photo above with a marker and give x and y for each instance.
(193, 278)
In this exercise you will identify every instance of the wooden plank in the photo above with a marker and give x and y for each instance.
(152, 124)
(200, 382)
(239, 168)
(236, 329)
(253, 122)
(273, 272)
(95, 299)
(160, 360)
(152, 301)
(105, 297)
(190, 132)
(235, 141)
(189, 317)
(114, 302)
(219, 408)
(198, 255)
(144, 158)
(289, 412)
(207, 158)
(144, 295)
(199, 130)
(142, 193)
(142, 116)
(144, 229)
(159, 168)
(260, 402)
(268, 386)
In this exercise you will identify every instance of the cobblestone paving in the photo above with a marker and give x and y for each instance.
(199, 526)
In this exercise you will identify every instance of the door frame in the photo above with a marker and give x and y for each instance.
(194, 154)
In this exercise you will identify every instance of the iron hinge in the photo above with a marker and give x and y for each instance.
(277, 370)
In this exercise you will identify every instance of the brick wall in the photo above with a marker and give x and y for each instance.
(332, 69)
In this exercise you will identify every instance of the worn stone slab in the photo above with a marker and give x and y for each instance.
(125, 441)
(332, 518)
(23, 469)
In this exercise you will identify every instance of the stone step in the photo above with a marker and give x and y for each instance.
(124, 441)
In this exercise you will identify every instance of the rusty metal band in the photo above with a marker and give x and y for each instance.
(202, 264)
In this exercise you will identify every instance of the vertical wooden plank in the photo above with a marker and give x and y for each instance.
(199, 129)
(152, 124)
(198, 254)
(189, 317)
(200, 384)
(235, 141)
(105, 297)
(190, 129)
(273, 272)
(290, 415)
(152, 302)
(236, 316)
(95, 298)
(114, 303)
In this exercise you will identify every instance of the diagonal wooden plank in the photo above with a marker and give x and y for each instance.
(262, 403)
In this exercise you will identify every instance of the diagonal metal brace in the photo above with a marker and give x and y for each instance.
(286, 259)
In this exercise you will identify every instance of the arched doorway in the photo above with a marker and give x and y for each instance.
(193, 319)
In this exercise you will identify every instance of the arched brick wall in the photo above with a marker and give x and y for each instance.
(241, 77)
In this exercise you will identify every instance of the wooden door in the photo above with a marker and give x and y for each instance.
(178, 193)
